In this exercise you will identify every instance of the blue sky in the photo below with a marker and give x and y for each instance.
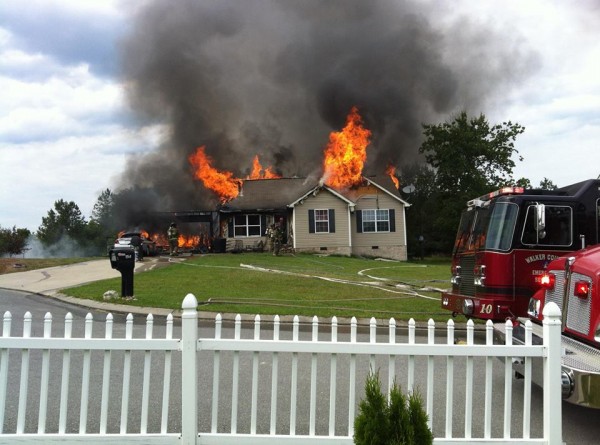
(66, 131)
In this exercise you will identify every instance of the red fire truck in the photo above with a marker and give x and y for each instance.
(573, 283)
(506, 239)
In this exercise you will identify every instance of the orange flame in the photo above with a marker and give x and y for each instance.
(346, 153)
(159, 238)
(188, 241)
(221, 182)
(259, 173)
(391, 172)
(141, 232)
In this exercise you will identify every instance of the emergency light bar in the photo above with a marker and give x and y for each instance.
(478, 202)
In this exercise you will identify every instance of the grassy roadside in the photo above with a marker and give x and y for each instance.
(12, 265)
(303, 284)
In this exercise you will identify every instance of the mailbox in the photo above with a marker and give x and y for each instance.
(124, 261)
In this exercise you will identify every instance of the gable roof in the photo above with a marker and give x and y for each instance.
(316, 189)
(386, 185)
(268, 194)
(279, 194)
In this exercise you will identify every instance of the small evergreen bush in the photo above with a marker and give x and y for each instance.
(372, 426)
(401, 421)
(418, 419)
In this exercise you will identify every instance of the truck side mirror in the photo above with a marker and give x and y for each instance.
(540, 225)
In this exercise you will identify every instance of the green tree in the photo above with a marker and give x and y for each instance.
(13, 241)
(64, 220)
(470, 154)
(103, 211)
(421, 193)
(523, 182)
(547, 184)
(469, 157)
(102, 226)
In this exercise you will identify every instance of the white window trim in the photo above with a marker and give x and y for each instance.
(376, 220)
(247, 226)
(322, 221)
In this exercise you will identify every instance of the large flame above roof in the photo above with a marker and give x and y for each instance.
(258, 172)
(343, 162)
(223, 183)
(346, 153)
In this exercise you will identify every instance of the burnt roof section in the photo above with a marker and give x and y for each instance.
(265, 195)
(386, 183)
(383, 183)
(268, 194)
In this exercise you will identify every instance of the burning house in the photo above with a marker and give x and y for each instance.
(216, 83)
(366, 219)
(343, 212)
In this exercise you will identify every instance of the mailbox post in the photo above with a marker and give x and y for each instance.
(124, 261)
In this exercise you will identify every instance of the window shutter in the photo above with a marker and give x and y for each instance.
(331, 220)
(230, 227)
(392, 220)
(359, 221)
(263, 224)
(311, 221)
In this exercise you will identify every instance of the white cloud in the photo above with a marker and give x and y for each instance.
(67, 103)
(36, 174)
(560, 104)
(64, 130)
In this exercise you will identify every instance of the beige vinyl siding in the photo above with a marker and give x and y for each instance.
(379, 201)
(323, 200)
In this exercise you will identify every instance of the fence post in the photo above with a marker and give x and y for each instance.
(189, 389)
(552, 371)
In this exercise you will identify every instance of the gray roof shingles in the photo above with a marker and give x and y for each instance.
(277, 194)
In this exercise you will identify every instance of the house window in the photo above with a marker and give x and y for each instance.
(246, 225)
(322, 221)
(376, 220)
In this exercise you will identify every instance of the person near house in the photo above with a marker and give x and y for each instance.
(277, 237)
(173, 236)
(270, 234)
(136, 242)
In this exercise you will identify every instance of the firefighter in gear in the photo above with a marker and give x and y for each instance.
(173, 236)
(270, 233)
(275, 235)
(136, 242)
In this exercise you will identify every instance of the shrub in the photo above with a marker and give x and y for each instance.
(399, 421)
(372, 426)
(401, 429)
(418, 420)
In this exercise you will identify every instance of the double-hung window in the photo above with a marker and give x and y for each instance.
(246, 225)
(322, 221)
(376, 220)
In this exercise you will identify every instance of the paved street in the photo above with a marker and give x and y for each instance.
(579, 424)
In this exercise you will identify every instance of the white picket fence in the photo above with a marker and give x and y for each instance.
(205, 407)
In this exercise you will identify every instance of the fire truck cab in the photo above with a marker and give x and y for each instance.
(506, 239)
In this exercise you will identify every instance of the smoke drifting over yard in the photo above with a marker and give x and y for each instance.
(274, 78)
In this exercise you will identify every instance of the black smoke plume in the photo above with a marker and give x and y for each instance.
(274, 78)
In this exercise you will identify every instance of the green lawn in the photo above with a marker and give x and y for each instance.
(303, 284)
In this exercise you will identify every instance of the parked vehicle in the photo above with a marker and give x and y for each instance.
(505, 240)
(148, 246)
(573, 283)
